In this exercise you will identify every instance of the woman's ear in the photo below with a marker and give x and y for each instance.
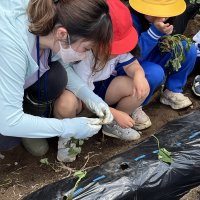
(61, 33)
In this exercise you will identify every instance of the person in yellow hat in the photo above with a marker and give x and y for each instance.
(160, 8)
(152, 21)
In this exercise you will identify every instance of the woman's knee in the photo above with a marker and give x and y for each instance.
(67, 105)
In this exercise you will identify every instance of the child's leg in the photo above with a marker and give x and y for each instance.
(176, 80)
(155, 76)
(120, 92)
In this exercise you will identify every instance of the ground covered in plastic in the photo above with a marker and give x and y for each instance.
(21, 173)
(168, 162)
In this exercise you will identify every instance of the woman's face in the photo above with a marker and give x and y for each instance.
(67, 50)
(62, 36)
(82, 46)
(78, 46)
(74, 52)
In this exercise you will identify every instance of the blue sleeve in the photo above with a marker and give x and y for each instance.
(148, 40)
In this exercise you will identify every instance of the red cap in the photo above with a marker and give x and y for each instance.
(125, 36)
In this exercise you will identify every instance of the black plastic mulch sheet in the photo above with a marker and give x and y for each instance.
(137, 173)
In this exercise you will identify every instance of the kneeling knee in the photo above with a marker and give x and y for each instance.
(66, 106)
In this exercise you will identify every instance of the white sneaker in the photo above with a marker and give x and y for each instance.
(68, 149)
(114, 130)
(196, 85)
(175, 100)
(141, 119)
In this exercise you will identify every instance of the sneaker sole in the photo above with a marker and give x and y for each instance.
(143, 126)
(174, 106)
(114, 136)
(110, 134)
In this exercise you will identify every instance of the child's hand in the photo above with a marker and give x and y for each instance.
(123, 119)
(140, 87)
(162, 27)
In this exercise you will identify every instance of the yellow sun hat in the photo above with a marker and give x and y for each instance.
(159, 8)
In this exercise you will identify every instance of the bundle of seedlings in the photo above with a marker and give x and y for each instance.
(174, 44)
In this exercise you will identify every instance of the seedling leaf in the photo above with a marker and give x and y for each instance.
(44, 161)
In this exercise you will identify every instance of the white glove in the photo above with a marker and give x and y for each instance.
(102, 111)
(95, 104)
(81, 127)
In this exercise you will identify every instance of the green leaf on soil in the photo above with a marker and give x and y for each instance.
(44, 161)
(74, 151)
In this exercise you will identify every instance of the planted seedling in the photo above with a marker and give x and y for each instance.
(163, 154)
(173, 44)
(80, 175)
(75, 146)
(195, 1)
(44, 161)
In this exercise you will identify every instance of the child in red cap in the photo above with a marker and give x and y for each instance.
(126, 93)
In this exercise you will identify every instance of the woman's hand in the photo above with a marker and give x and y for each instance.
(81, 127)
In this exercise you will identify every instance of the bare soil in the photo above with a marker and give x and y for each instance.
(21, 173)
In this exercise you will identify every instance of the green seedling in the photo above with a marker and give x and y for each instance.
(173, 44)
(44, 161)
(80, 175)
(195, 1)
(74, 146)
(163, 154)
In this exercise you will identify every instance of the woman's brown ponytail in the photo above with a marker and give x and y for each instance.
(42, 16)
